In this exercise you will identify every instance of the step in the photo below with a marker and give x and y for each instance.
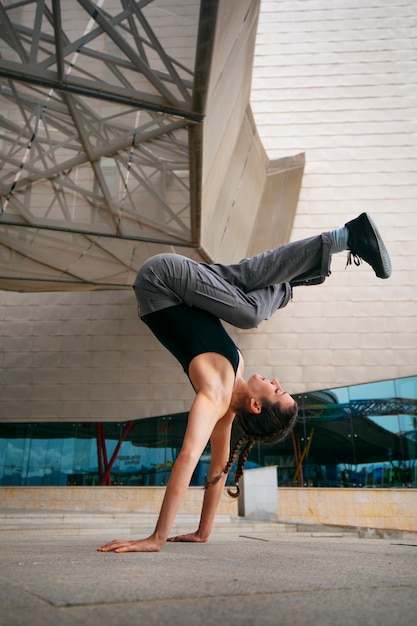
(82, 523)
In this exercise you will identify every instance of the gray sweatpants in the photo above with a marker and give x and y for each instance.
(242, 294)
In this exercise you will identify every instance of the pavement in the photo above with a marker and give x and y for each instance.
(248, 574)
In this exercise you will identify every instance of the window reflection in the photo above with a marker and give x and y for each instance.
(364, 435)
(359, 436)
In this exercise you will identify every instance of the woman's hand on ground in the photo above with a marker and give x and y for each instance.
(190, 538)
(140, 545)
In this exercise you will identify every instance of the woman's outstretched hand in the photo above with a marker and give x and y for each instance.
(140, 545)
(190, 538)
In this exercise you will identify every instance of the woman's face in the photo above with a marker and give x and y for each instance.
(260, 388)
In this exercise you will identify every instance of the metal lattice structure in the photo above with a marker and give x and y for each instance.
(360, 408)
(101, 107)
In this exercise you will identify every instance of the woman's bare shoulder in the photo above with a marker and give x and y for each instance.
(211, 371)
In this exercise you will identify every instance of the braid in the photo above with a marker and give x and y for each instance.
(243, 456)
(229, 463)
(244, 453)
(234, 452)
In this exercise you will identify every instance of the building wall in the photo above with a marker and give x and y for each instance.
(335, 83)
(391, 509)
(83, 357)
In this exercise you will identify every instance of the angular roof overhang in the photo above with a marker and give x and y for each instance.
(126, 131)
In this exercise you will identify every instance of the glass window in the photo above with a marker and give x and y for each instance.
(359, 436)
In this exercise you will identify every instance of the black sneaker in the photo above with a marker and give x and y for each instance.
(365, 243)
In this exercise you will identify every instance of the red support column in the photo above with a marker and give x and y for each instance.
(105, 466)
(298, 459)
(104, 479)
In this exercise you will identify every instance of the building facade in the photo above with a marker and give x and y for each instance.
(336, 84)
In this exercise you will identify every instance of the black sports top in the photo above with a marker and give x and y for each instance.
(187, 332)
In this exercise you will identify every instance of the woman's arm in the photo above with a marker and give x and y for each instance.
(220, 449)
(204, 414)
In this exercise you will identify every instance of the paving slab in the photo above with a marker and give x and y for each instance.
(58, 577)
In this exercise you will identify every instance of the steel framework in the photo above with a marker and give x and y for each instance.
(101, 105)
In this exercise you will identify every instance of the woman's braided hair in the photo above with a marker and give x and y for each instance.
(271, 425)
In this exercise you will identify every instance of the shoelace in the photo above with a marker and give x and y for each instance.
(353, 258)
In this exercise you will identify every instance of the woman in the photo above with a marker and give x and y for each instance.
(183, 302)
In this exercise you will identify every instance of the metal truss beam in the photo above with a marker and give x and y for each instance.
(99, 160)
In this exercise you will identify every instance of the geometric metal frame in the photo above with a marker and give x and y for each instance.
(101, 107)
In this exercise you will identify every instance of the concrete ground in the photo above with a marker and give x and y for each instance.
(246, 575)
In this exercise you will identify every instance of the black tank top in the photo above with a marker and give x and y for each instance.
(187, 332)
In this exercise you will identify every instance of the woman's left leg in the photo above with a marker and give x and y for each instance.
(166, 280)
(299, 262)
(243, 294)
(248, 292)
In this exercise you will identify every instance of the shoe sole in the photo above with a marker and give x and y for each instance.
(383, 252)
